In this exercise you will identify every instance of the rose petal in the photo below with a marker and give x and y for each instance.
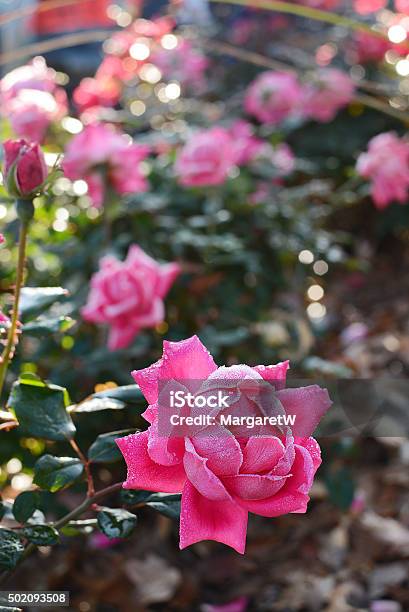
(308, 404)
(205, 481)
(143, 473)
(185, 360)
(261, 454)
(274, 374)
(204, 519)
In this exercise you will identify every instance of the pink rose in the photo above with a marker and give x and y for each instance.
(330, 91)
(31, 111)
(364, 7)
(183, 64)
(36, 75)
(223, 475)
(104, 157)
(273, 96)
(128, 295)
(24, 169)
(100, 91)
(246, 146)
(402, 6)
(386, 163)
(206, 159)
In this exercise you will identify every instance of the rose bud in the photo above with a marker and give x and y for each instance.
(25, 169)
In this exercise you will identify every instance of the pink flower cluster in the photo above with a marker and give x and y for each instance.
(105, 158)
(31, 99)
(183, 64)
(209, 156)
(276, 96)
(128, 295)
(386, 164)
(221, 474)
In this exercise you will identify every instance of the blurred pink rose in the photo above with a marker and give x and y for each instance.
(222, 476)
(24, 168)
(283, 158)
(31, 111)
(330, 91)
(128, 295)
(183, 64)
(95, 92)
(386, 163)
(104, 157)
(402, 6)
(273, 96)
(206, 158)
(369, 48)
(238, 605)
(364, 7)
(35, 75)
(246, 146)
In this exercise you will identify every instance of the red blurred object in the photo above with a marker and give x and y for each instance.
(80, 15)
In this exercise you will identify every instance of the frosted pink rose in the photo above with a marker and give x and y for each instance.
(102, 156)
(386, 163)
(364, 7)
(206, 159)
(273, 96)
(330, 91)
(31, 111)
(183, 64)
(223, 476)
(128, 295)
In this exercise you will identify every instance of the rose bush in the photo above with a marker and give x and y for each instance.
(233, 165)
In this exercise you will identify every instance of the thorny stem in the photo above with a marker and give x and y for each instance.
(87, 467)
(11, 338)
(71, 516)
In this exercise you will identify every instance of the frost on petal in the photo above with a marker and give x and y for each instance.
(185, 360)
(308, 404)
(204, 519)
(143, 473)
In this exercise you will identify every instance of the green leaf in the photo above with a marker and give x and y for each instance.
(41, 535)
(132, 498)
(11, 549)
(25, 505)
(96, 404)
(48, 325)
(165, 503)
(130, 394)
(34, 300)
(55, 473)
(168, 505)
(105, 449)
(41, 409)
(116, 523)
